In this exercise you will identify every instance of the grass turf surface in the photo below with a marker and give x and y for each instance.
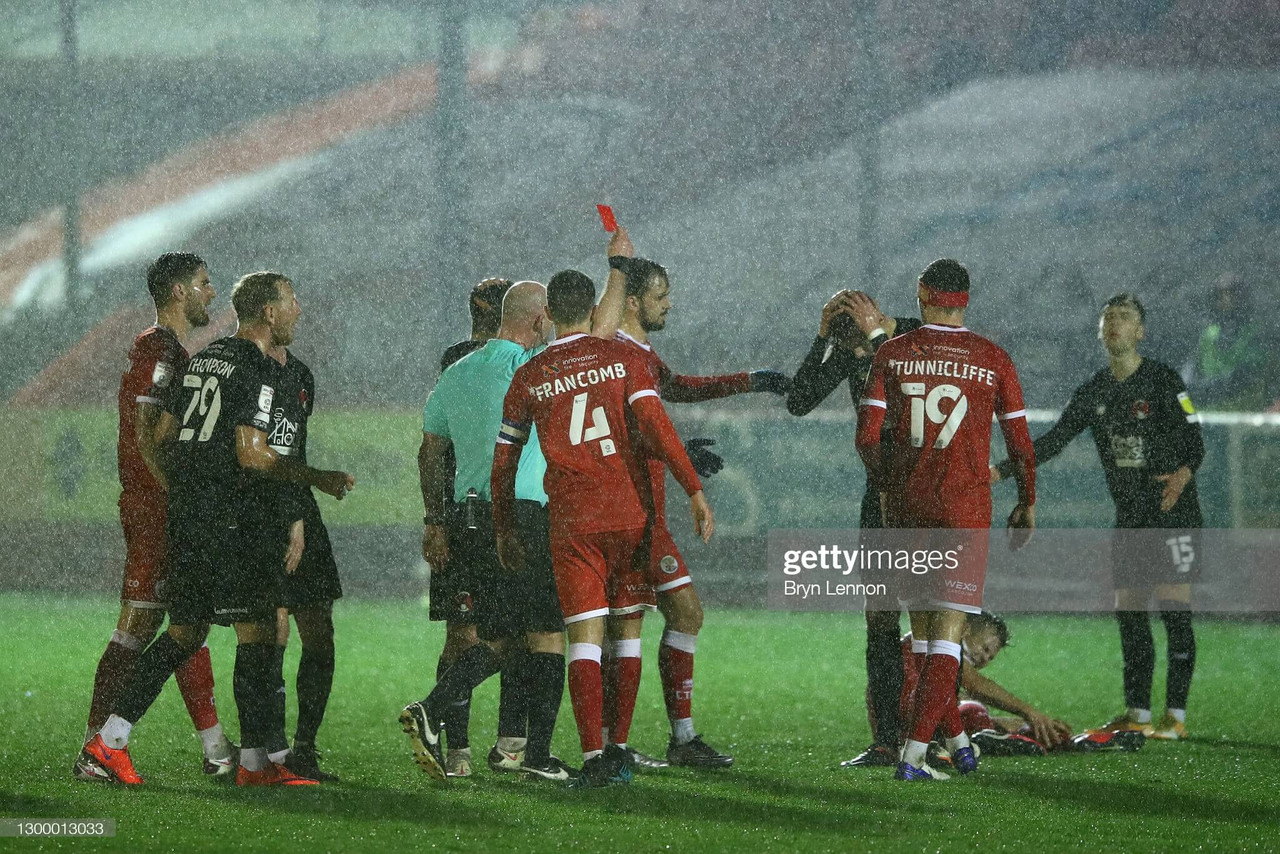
(783, 692)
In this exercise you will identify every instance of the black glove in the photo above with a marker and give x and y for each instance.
(705, 463)
(771, 381)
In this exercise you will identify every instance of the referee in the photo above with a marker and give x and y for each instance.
(464, 413)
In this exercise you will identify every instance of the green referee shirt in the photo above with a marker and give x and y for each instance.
(465, 407)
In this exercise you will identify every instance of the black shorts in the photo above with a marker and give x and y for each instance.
(1145, 557)
(222, 571)
(505, 603)
(450, 591)
(315, 582)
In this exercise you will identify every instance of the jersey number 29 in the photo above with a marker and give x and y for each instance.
(208, 398)
(924, 404)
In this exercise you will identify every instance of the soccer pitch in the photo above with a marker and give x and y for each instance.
(783, 692)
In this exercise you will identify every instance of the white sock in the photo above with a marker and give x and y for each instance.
(1179, 715)
(914, 752)
(115, 732)
(682, 731)
(621, 744)
(278, 756)
(253, 758)
(588, 755)
(511, 744)
(215, 743)
(1142, 716)
(954, 744)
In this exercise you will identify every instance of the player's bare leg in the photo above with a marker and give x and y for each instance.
(935, 702)
(681, 607)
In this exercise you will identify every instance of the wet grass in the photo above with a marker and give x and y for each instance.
(783, 692)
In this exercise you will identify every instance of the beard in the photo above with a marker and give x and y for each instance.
(653, 324)
(197, 315)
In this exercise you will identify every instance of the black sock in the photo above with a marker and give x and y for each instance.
(254, 683)
(472, 667)
(884, 676)
(152, 669)
(1182, 652)
(457, 716)
(276, 738)
(544, 681)
(315, 680)
(513, 696)
(1138, 649)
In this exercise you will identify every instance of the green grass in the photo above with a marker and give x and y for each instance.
(783, 692)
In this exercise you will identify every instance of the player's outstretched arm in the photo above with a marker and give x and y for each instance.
(1074, 420)
(432, 454)
(1048, 731)
(255, 454)
(608, 318)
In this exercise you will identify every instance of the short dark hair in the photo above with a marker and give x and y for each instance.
(170, 269)
(992, 621)
(253, 292)
(946, 275)
(570, 297)
(485, 303)
(1127, 300)
(640, 273)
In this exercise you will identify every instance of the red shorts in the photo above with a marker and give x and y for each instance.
(975, 716)
(587, 569)
(145, 565)
(951, 572)
(658, 567)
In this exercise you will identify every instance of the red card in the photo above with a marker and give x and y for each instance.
(606, 218)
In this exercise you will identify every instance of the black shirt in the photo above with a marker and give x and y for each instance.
(294, 402)
(1142, 426)
(819, 374)
(454, 352)
(226, 384)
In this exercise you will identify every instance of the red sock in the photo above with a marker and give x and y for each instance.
(935, 696)
(586, 693)
(195, 681)
(627, 662)
(114, 669)
(675, 666)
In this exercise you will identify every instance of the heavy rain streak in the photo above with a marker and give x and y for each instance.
(910, 366)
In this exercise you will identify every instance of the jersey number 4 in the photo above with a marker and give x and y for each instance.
(599, 429)
(924, 404)
(207, 397)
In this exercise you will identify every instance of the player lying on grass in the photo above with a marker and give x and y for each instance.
(985, 635)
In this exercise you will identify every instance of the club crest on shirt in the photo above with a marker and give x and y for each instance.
(669, 564)
(161, 375)
(1141, 409)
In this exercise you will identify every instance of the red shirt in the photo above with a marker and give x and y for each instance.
(593, 403)
(156, 359)
(938, 388)
(678, 388)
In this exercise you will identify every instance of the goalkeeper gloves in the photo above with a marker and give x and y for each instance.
(770, 381)
(705, 463)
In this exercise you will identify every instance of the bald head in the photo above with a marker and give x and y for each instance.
(524, 314)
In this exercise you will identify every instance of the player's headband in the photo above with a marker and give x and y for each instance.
(943, 299)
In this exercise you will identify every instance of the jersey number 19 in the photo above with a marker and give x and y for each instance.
(924, 404)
